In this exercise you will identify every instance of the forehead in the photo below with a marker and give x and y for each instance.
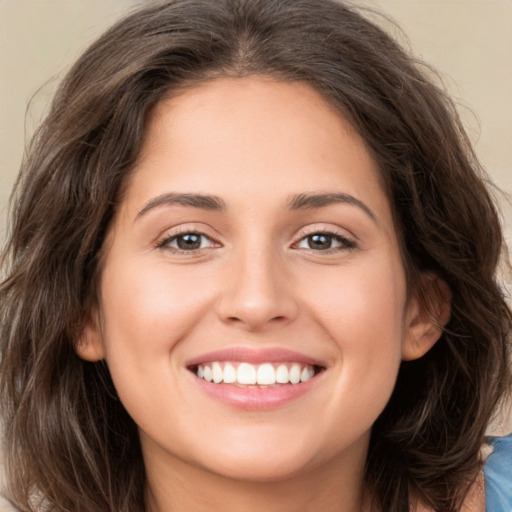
(252, 138)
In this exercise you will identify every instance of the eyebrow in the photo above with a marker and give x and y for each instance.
(205, 202)
(214, 203)
(311, 201)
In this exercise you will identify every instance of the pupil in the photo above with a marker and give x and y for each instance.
(319, 242)
(189, 241)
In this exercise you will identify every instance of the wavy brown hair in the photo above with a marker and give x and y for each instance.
(69, 444)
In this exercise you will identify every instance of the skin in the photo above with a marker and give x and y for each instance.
(255, 282)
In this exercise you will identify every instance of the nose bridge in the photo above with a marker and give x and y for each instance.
(256, 293)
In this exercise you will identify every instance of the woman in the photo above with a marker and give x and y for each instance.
(252, 265)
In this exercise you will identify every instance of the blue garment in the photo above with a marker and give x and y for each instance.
(498, 475)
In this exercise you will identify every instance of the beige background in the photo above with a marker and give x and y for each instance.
(468, 41)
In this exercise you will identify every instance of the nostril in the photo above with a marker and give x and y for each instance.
(280, 318)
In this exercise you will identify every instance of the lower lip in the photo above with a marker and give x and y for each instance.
(256, 398)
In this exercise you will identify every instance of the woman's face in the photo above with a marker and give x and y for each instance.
(255, 245)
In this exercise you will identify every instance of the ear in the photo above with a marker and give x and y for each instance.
(89, 342)
(427, 313)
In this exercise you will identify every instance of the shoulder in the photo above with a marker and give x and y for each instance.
(498, 475)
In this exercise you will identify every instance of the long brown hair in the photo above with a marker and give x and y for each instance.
(69, 444)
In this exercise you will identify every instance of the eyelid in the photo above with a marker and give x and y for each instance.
(326, 229)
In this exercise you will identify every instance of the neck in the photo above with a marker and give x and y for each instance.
(333, 487)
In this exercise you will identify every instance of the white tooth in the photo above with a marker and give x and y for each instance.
(295, 374)
(306, 374)
(200, 371)
(207, 373)
(246, 374)
(282, 374)
(266, 374)
(217, 372)
(229, 374)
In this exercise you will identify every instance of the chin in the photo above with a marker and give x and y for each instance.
(264, 460)
(262, 469)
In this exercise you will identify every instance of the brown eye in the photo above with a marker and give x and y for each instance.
(320, 242)
(187, 242)
(324, 242)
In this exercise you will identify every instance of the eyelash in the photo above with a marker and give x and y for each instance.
(345, 242)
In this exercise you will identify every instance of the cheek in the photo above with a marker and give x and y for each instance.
(360, 301)
(147, 309)
(361, 311)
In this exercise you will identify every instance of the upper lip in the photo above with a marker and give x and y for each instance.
(254, 356)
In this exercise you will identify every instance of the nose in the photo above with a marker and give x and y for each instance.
(257, 293)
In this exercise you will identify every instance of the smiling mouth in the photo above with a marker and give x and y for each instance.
(243, 374)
